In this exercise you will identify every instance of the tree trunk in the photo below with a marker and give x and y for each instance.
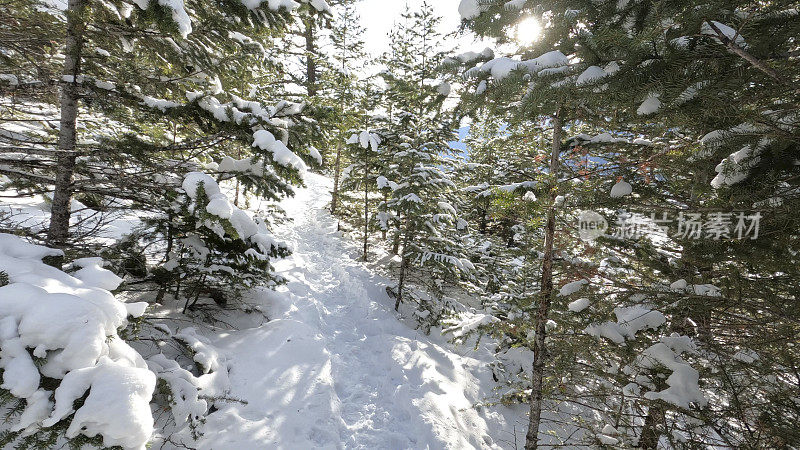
(164, 285)
(650, 433)
(311, 65)
(337, 172)
(385, 203)
(540, 351)
(402, 281)
(366, 205)
(58, 232)
(403, 266)
(396, 244)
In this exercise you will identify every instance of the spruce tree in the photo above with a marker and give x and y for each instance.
(419, 210)
(349, 86)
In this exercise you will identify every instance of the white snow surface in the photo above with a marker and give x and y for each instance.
(336, 368)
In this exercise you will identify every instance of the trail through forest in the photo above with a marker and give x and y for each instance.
(335, 367)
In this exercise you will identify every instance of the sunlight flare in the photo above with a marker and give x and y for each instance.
(528, 31)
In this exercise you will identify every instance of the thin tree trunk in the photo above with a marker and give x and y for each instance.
(337, 172)
(366, 204)
(396, 244)
(401, 282)
(650, 433)
(58, 232)
(385, 203)
(162, 290)
(311, 66)
(540, 351)
(403, 266)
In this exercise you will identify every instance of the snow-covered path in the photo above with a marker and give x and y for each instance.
(335, 368)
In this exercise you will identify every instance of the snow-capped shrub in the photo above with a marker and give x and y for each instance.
(65, 369)
(67, 372)
(214, 249)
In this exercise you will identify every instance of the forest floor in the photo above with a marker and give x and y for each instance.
(336, 367)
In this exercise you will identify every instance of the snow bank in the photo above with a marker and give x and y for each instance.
(92, 273)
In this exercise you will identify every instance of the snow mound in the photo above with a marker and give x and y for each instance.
(93, 274)
(118, 405)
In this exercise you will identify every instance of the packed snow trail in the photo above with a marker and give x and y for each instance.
(334, 367)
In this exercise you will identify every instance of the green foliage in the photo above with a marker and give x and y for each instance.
(205, 256)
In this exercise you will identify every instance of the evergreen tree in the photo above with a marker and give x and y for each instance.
(150, 75)
(160, 105)
(362, 177)
(419, 209)
(350, 89)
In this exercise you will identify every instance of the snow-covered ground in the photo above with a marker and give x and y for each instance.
(335, 367)
(331, 366)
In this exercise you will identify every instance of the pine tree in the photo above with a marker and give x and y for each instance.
(362, 177)
(350, 90)
(419, 207)
(116, 86)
